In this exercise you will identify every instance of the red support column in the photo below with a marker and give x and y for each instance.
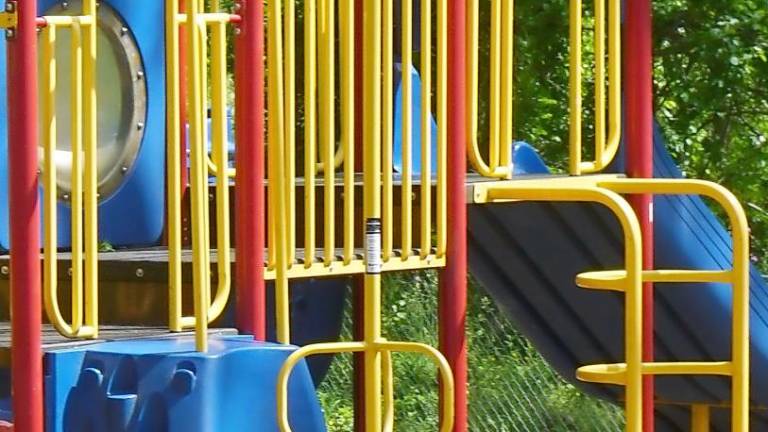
(249, 192)
(26, 315)
(638, 69)
(453, 279)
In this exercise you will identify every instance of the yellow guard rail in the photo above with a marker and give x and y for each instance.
(83, 195)
(382, 253)
(605, 190)
(197, 23)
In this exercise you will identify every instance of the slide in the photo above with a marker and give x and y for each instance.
(528, 254)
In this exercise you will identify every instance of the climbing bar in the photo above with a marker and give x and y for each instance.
(558, 190)
(207, 28)
(83, 193)
(499, 162)
(607, 118)
(386, 348)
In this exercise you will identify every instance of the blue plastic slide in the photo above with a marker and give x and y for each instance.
(527, 255)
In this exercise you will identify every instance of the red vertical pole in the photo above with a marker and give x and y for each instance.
(453, 278)
(26, 343)
(638, 68)
(249, 193)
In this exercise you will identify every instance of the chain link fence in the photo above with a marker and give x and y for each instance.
(511, 387)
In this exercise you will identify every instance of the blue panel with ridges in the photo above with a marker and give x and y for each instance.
(164, 385)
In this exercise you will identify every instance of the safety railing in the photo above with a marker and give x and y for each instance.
(630, 281)
(607, 79)
(200, 27)
(500, 100)
(382, 251)
(607, 118)
(83, 193)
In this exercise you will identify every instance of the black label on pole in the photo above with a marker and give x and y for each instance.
(373, 246)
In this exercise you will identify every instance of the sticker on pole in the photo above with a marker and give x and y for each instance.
(373, 246)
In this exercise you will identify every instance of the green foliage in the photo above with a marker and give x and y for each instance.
(511, 387)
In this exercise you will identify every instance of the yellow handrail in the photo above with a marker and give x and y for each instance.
(197, 22)
(499, 163)
(629, 281)
(83, 193)
(605, 148)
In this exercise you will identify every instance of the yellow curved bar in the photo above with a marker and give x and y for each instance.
(605, 148)
(499, 165)
(542, 191)
(290, 363)
(740, 234)
(83, 193)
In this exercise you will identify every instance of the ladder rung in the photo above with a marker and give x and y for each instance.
(615, 373)
(616, 280)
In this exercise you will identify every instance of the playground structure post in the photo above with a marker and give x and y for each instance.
(453, 278)
(26, 315)
(638, 68)
(249, 199)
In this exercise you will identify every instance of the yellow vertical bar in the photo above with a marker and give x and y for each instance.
(575, 87)
(442, 125)
(495, 85)
(425, 242)
(90, 188)
(372, 207)
(219, 142)
(633, 329)
(48, 84)
(406, 133)
(740, 326)
(76, 192)
(276, 128)
(327, 124)
(310, 129)
(206, 136)
(387, 139)
(347, 40)
(198, 177)
(700, 418)
(507, 84)
(600, 83)
(388, 423)
(173, 154)
(614, 82)
(289, 35)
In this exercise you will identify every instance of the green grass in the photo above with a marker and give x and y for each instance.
(511, 387)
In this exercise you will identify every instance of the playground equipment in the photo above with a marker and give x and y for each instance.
(370, 180)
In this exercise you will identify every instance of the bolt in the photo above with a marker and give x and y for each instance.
(238, 6)
(124, 169)
(123, 31)
(139, 272)
(237, 31)
(139, 75)
(10, 33)
(5, 270)
(65, 197)
(10, 7)
(65, 5)
(140, 126)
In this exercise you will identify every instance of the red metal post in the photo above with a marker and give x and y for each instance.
(249, 193)
(453, 278)
(638, 70)
(26, 315)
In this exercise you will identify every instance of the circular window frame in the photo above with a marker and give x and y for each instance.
(131, 126)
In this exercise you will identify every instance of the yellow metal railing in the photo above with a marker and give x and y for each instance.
(201, 28)
(382, 253)
(605, 190)
(607, 118)
(500, 99)
(83, 194)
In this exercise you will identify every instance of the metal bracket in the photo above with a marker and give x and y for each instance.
(9, 18)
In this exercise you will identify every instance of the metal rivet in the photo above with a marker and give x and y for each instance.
(139, 125)
(140, 75)
(123, 169)
(237, 31)
(10, 7)
(69, 271)
(65, 197)
(10, 33)
(65, 5)
(123, 31)
(238, 6)
(139, 272)
(5, 270)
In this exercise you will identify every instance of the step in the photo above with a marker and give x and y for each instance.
(616, 280)
(615, 373)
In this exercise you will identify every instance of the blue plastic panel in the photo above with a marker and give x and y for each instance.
(134, 214)
(163, 385)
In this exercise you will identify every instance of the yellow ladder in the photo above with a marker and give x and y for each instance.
(608, 191)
